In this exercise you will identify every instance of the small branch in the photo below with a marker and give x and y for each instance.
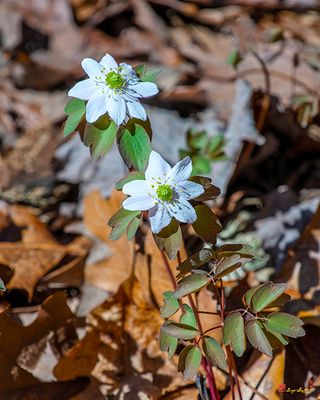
(230, 373)
(205, 362)
(169, 271)
(211, 329)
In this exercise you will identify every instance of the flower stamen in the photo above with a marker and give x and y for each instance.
(115, 80)
(164, 192)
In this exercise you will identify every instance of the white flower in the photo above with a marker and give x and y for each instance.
(113, 89)
(164, 192)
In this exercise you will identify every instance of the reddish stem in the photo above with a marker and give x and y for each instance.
(205, 362)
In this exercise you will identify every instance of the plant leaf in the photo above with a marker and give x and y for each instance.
(257, 337)
(168, 343)
(180, 331)
(234, 334)
(147, 73)
(2, 286)
(120, 222)
(132, 176)
(191, 284)
(170, 306)
(210, 191)
(171, 244)
(214, 352)
(265, 295)
(229, 264)
(207, 225)
(134, 144)
(75, 111)
(133, 226)
(189, 361)
(195, 261)
(100, 136)
(286, 324)
(188, 317)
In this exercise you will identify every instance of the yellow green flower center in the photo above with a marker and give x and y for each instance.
(164, 192)
(115, 80)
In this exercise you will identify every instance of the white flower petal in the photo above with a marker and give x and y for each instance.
(138, 203)
(183, 211)
(136, 188)
(143, 89)
(181, 171)
(116, 109)
(157, 167)
(96, 106)
(159, 218)
(91, 67)
(130, 72)
(136, 110)
(108, 62)
(189, 190)
(83, 90)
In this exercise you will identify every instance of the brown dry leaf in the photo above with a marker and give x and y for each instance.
(262, 377)
(151, 272)
(21, 347)
(49, 390)
(121, 348)
(302, 267)
(37, 253)
(109, 274)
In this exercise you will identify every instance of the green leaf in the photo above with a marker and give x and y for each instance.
(119, 222)
(201, 165)
(265, 295)
(207, 225)
(2, 286)
(257, 337)
(188, 317)
(210, 191)
(168, 343)
(216, 143)
(249, 293)
(147, 73)
(191, 284)
(228, 250)
(195, 261)
(170, 306)
(285, 324)
(234, 58)
(229, 264)
(132, 176)
(134, 144)
(214, 352)
(280, 301)
(180, 331)
(100, 136)
(75, 111)
(233, 333)
(276, 339)
(169, 242)
(189, 361)
(133, 226)
(197, 140)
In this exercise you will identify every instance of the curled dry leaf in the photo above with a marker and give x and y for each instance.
(37, 253)
(110, 273)
(22, 347)
(121, 344)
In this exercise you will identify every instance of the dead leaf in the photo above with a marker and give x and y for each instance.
(21, 348)
(121, 345)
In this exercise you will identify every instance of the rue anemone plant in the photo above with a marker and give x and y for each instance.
(106, 107)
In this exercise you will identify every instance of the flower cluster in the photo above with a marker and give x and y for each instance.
(113, 89)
